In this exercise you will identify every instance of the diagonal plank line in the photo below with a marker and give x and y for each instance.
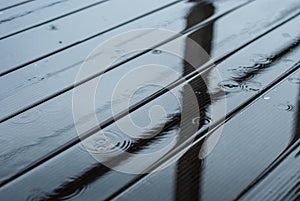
(270, 168)
(15, 5)
(53, 19)
(68, 88)
(172, 85)
(86, 39)
(203, 134)
(106, 123)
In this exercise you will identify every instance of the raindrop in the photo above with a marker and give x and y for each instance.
(31, 79)
(197, 120)
(27, 117)
(294, 80)
(230, 86)
(266, 97)
(241, 70)
(251, 86)
(53, 27)
(286, 107)
(263, 60)
(109, 142)
(207, 121)
(156, 51)
(60, 42)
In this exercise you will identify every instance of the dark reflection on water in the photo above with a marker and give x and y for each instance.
(296, 135)
(74, 186)
(189, 161)
(203, 37)
(188, 183)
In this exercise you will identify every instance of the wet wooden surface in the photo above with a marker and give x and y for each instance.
(255, 48)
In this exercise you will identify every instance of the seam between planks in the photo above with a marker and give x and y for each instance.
(68, 88)
(15, 5)
(85, 39)
(269, 169)
(53, 19)
(106, 123)
(213, 128)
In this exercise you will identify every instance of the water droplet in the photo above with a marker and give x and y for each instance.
(53, 27)
(240, 71)
(251, 86)
(156, 51)
(207, 121)
(197, 120)
(27, 117)
(31, 79)
(286, 107)
(294, 80)
(60, 42)
(266, 97)
(109, 142)
(263, 60)
(230, 86)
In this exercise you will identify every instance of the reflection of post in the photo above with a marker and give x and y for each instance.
(296, 135)
(188, 176)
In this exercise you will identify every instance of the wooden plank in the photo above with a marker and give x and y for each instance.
(7, 4)
(282, 183)
(36, 13)
(54, 124)
(80, 166)
(54, 75)
(41, 42)
(36, 89)
(250, 142)
(42, 116)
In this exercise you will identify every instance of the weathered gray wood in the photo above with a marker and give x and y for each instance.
(282, 183)
(40, 42)
(250, 142)
(7, 4)
(76, 160)
(53, 75)
(58, 110)
(36, 13)
(64, 79)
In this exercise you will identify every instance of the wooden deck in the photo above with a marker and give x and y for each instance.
(253, 44)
